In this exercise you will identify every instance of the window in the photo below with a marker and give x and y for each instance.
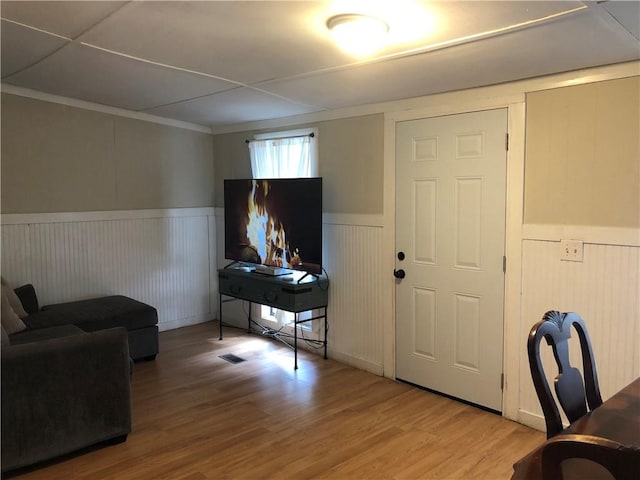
(288, 154)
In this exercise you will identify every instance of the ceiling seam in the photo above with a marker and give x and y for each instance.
(98, 22)
(608, 16)
(236, 84)
(177, 102)
(164, 65)
(31, 27)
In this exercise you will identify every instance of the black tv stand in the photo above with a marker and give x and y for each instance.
(294, 293)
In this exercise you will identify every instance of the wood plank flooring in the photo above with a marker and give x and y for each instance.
(196, 416)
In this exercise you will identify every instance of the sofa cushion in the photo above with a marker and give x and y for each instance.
(39, 334)
(8, 317)
(45, 319)
(104, 312)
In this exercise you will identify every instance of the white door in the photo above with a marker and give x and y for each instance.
(450, 226)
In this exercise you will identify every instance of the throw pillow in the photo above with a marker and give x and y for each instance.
(9, 319)
(14, 301)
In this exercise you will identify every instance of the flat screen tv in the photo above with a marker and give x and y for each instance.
(274, 223)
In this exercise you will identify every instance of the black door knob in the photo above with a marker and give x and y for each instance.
(400, 256)
(399, 273)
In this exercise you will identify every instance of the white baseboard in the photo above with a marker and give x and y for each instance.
(532, 420)
(184, 322)
(371, 367)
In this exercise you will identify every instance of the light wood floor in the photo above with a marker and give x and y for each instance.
(196, 416)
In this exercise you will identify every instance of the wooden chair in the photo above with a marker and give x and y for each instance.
(573, 394)
(621, 461)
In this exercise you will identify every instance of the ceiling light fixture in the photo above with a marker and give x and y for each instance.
(357, 34)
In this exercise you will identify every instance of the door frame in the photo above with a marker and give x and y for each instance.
(450, 105)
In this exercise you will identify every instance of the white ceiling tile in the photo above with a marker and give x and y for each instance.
(627, 13)
(233, 106)
(241, 41)
(66, 18)
(22, 47)
(82, 72)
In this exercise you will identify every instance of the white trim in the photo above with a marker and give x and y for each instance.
(517, 87)
(61, 217)
(361, 220)
(365, 365)
(185, 322)
(514, 201)
(512, 336)
(452, 107)
(96, 107)
(531, 420)
(389, 250)
(588, 234)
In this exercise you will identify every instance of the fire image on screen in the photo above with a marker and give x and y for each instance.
(274, 222)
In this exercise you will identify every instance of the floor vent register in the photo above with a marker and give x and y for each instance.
(231, 358)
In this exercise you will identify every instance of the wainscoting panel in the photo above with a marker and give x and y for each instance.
(160, 257)
(603, 289)
(168, 258)
(352, 258)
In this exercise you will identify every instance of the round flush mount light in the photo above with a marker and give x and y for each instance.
(357, 34)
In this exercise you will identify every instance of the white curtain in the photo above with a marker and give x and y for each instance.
(281, 158)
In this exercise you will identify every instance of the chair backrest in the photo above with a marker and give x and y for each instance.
(621, 461)
(576, 397)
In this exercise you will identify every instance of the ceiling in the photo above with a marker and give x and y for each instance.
(217, 63)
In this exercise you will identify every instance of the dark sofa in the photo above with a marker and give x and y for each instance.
(62, 390)
(140, 319)
(66, 372)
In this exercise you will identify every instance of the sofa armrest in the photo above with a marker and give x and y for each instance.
(64, 394)
(28, 298)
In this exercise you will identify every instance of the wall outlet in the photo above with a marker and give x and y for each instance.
(571, 250)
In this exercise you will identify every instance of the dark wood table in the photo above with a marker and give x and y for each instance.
(617, 419)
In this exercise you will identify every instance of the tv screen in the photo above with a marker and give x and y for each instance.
(274, 222)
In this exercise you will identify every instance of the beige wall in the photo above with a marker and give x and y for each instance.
(582, 162)
(58, 158)
(582, 159)
(351, 162)
(231, 160)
